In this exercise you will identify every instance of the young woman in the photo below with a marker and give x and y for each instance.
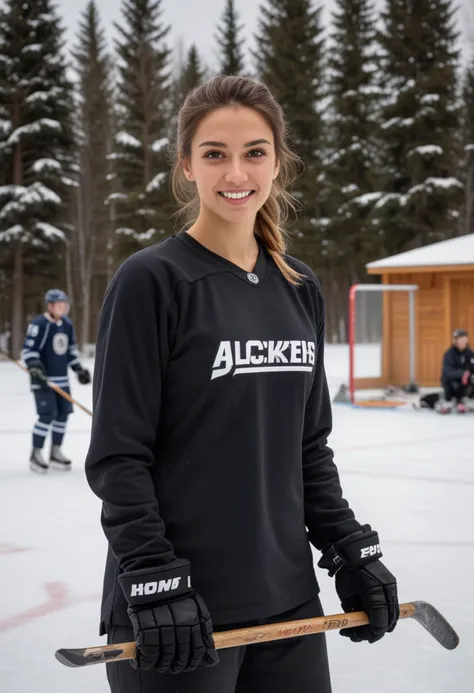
(211, 417)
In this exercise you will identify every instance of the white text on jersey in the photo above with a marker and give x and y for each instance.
(255, 356)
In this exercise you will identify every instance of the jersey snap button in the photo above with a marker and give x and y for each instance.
(252, 278)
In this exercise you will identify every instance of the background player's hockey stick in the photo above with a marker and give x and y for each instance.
(57, 389)
(424, 613)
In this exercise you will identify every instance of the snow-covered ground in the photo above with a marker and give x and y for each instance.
(410, 474)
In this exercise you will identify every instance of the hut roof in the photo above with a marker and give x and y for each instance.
(454, 251)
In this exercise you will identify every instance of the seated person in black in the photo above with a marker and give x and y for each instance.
(457, 377)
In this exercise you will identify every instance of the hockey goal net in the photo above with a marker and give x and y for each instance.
(382, 343)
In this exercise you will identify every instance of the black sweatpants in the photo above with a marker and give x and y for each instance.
(454, 389)
(282, 666)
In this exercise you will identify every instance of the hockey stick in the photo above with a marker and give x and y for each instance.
(54, 387)
(424, 613)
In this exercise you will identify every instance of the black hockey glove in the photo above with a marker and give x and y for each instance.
(37, 373)
(363, 583)
(83, 375)
(171, 623)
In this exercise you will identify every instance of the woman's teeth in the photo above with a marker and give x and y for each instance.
(236, 196)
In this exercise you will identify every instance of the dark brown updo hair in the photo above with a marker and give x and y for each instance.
(240, 91)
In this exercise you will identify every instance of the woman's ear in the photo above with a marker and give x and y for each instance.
(276, 170)
(187, 170)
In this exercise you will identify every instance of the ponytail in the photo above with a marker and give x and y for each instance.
(268, 228)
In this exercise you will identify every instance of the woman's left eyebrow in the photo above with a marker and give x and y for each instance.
(212, 143)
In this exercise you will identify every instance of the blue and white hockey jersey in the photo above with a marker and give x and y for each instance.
(54, 344)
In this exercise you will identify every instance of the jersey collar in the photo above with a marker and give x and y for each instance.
(51, 319)
(254, 279)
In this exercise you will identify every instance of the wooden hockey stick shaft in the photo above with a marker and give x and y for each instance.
(54, 387)
(236, 638)
(278, 631)
(422, 612)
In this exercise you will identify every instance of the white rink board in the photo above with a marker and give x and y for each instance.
(410, 474)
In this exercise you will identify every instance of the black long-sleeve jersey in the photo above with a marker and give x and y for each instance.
(455, 362)
(209, 436)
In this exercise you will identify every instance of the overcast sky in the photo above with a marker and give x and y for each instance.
(195, 20)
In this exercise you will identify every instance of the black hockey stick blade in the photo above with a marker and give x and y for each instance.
(436, 625)
(84, 656)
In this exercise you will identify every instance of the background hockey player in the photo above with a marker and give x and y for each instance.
(48, 351)
(457, 377)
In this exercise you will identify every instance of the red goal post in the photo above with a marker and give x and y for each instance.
(374, 383)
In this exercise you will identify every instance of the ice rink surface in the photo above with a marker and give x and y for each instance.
(410, 474)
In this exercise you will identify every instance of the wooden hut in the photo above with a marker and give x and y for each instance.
(444, 273)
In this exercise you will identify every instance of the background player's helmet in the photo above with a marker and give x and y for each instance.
(460, 333)
(55, 295)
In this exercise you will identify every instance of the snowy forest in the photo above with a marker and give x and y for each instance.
(380, 108)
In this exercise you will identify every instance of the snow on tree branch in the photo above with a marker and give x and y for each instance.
(22, 197)
(429, 98)
(69, 182)
(32, 48)
(49, 230)
(127, 140)
(116, 196)
(147, 235)
(46, 164)
(5, 126)
(38, 192)
(403, 122)
(367, 199)
(11, 233)
(33, 129)
(113, 156)
(431, 183)
(160, 144)
(390, 197)
(426, 150)
(348, 189)
(156, 182)
(53, 93)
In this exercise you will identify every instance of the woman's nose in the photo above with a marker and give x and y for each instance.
(236, 173)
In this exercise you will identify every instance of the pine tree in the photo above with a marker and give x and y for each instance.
(36, 142)
(142, 201)
(351, 169)
(231, 57)
(467, 161)
(194, 72)
(419, 124)
(189, 75)
(89, 246)
(288, 59)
